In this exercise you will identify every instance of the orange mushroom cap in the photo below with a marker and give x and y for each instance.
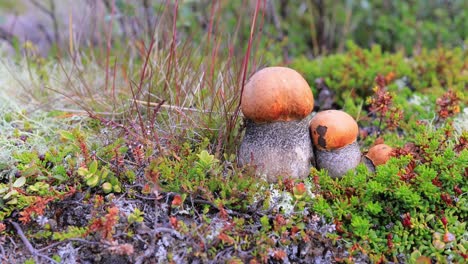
(333, 129)
(277, 94)
(379, 154)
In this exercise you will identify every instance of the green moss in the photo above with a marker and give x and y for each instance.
(405, 199)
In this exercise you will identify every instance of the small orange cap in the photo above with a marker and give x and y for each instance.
(333, 129)
(379, 154)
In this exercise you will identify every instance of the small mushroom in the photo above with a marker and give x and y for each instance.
(276, 103)
(334, 135)
(377, 155)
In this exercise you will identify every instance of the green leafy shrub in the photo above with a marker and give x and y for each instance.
(201, 175)
(415, 202)
(351, 75)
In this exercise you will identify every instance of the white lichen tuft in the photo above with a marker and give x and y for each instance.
(281, 201)
(419, 100)
(161, 253)
(42, 220)
(461, 121)
(216, 228)
(309, 188)
(68, 254)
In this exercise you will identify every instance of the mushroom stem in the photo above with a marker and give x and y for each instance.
(338, 161)
(370, 166)
(282, 148)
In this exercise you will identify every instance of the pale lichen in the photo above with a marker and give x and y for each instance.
(461, 121)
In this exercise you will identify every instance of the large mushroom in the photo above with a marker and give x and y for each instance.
(334, 134)
(276, 103)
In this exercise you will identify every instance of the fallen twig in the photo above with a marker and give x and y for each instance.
(178, 108)
(28, 244)
(84, 241)
(148, 252)
(2, 250)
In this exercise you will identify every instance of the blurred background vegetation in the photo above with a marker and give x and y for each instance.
(287, 27)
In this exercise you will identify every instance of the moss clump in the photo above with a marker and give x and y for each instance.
(352, 74)
(415, 202)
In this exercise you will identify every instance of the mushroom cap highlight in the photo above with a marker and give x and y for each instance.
(379, 154)
(333, 129)
(276, 94)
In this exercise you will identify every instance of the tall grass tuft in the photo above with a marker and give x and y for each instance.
(162, 86)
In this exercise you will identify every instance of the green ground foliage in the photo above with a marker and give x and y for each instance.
(415, 204)
(351, 75)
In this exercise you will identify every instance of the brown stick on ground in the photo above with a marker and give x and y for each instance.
(28, 244)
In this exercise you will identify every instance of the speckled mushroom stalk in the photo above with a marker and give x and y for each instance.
(276, 103)
(377, 155)
(334, 134)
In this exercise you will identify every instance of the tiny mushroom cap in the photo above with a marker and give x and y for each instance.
(379, 154)
(333, 129)
(276, 94)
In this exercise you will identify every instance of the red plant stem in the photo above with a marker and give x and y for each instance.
(140, 87)
(214, 52)
(210, 26)
(113, 83)
(140, 119)
(108, 43)
(143, 73)
(213, 10)
(172, 55)
(245, 63)
(213, 62)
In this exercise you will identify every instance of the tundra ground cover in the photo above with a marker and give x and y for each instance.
(132, 159)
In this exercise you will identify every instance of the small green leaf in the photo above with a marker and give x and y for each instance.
(117, 188)
(205, 159)
(13, 201)
(104, 173)
(59, 177)
(10, 194)
(19, 182)
(92, 181)
(373, 208)
(107, 187)
(360, 225)
(4, 189)
(429, 217)
(67, 135)
(93, 167)
(265, 222)
(82, 171)
(136, 216)
(33, 188)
